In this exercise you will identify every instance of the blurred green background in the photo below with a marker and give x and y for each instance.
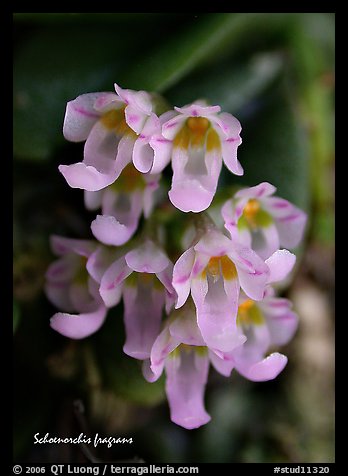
(275, 73)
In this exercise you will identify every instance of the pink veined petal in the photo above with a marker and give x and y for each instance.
(171, 127)
(108, 102)
(231, 211)
(282, 322)
(63, 270)
(214, 243)
(93, 200)
(229, 155)
(86, 177)
(166, 277)
(201, 261)
(80, 117)
(61, 246)
(253, 273)
(265, 241)
(147, 258)
(227, 124)
(224, 367)
(280, 264)
(78, 326)
(263, 189)
(185, 387)
(135, 118)
(196, 110)
(279, 207)
(110, 286)
(267, 369)
(100, 260)
(216, 312)
(185, 329)
(164, 344)
(162, 152)
(182, 276)
(138, 99)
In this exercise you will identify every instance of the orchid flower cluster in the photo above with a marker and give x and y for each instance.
(214, 302)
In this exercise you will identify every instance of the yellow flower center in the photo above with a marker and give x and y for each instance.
(249, 314)
(251, 209)
(197, 132)
(115, 120)
(220, 266)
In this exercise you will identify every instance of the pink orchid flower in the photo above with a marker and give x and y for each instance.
(110, 124)
(122, 204)
(198, 138)
(263, 222)
(143, 277)
(72, 286)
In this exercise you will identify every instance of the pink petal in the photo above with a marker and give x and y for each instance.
(214, 243)
(184, 327)
(182, 276)
(78, 326)
(164, 344)
(61, 246)
(216, 313)
(253, 273)
(142, 318)
(198, 110)
(190, 196)
(281, 321)
(267, 369)
(100, 260)
(108, 102)
(147, 258)
(224, 367)
(110, 289)
(162, 150)
(138, 99)
(280, 265)
(80, 117)
(261, 190)
(227, 124)
(185, 387)
(171, 127)
(229, 155)
(86, 177)
(143, 156)
(265, 241)
(110, 231)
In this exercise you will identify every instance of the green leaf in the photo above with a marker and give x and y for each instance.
(57, 64)
(232, 86)
(16, 315)
(275, 149)
(210, 38)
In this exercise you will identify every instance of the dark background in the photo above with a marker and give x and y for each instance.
(275, 73)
